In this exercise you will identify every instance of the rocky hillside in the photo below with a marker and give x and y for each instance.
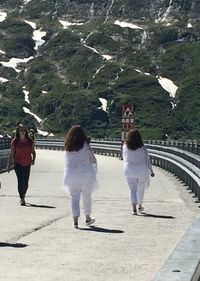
(67, 62)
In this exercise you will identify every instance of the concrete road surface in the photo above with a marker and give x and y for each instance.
(38, 242)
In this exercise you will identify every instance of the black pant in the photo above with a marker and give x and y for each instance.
(23, 174)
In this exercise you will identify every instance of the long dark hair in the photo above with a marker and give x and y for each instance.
(75, 139)
(21, 126)
(134, 140)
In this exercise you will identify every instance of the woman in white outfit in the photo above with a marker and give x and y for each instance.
(79, 172)
(137, 168)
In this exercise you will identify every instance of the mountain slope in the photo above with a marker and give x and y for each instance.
(84, 59)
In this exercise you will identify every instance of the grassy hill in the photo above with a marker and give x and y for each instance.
(96, 58)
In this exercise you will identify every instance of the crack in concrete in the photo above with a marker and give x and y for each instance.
(35, 229)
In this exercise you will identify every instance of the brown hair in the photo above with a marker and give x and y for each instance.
(75, 139)
(134, 140)
(21, 126)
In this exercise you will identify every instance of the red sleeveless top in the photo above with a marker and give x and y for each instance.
(22, 151)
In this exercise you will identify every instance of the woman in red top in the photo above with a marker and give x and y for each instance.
(23, 153)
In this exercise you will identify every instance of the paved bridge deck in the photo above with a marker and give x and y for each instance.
(38, 242)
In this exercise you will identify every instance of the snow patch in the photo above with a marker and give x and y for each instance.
(38, 34)
(104, 103)
(3, 16)
(93, 49)
(42, 133)
(44, 92)
(107, 57)
(92, 9)
(13, 62)
(98, 70)
(189, 25)
(67, 24)
(2, 52)
(173, 105)
(168, 86)
(26, 1)
(144, 37)
(37, 37)
(138, 70)
(127, 24)
(27, 110)
(109, 10)
(3, 80)
(32, 24)
(167, 12)
(26, 96)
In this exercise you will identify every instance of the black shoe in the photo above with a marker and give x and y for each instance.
(23, 202)
(75, 225)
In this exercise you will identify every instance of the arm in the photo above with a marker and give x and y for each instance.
(148, 160)
(33, 152)
(91, 154)
(124, 152)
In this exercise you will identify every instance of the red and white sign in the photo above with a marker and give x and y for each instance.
(128, 120)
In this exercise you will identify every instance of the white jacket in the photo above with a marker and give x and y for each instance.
(137, 164)
(79, 168)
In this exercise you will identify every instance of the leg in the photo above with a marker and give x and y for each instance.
(26, 175)
(132, 182)
(140, 194)
(87, 204)
(87, 201)
(75, 194)
(19, 174)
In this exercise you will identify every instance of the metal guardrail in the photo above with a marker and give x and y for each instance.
(182, 163)
(4, 159)
(190, 146)
(5, 143)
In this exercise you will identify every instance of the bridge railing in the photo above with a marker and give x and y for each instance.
(181, 162)
(177, 159)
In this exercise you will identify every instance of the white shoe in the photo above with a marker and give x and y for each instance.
(141, 209)
(91, 221)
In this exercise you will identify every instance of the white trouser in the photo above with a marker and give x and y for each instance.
(75, 194)
(136, 190)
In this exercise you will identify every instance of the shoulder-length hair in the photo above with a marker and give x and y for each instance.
(134, 140)
(75, 139)
(19, 127)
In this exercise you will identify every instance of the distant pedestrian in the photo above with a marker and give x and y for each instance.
(32, 135)
(23, 153)
(137, 168)
(79, 172)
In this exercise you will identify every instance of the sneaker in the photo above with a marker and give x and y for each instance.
(134, 212)
(141, 209)
(91, 221)
(76, 225)
(23, 202)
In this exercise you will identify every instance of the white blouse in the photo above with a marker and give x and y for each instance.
(80, 168)
(137, 164)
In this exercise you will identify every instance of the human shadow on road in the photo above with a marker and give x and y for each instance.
(39, 206)
(12, 245)
(156, 216)
(101, 229)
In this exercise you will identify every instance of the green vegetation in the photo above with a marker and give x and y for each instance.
(66, 78)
